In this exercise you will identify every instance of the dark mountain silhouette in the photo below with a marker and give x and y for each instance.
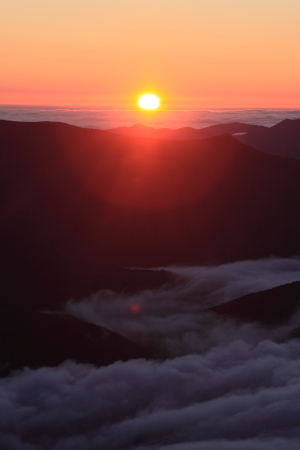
(80, 206)
(186, 133)
(76, 202)
(31, 338)
(282, 139)
(270, 307)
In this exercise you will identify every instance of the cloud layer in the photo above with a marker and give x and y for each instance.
(172, 318)
(240, 393)
(234, 397)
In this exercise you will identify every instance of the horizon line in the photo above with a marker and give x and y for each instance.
(93, 108)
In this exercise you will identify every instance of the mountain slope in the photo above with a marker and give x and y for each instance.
(36, 339)
(282, 139)
(270, 307)
(78, 205)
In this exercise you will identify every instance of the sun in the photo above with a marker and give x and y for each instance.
(149, 101)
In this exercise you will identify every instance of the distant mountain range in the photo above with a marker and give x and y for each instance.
(282, 139)
(186, 133)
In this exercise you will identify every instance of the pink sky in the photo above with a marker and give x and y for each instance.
(192, 53)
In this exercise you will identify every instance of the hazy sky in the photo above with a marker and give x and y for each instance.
(194, 53)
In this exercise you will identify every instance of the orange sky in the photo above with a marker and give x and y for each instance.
(194, 53)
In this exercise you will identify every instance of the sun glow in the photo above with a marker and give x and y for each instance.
(149, 101)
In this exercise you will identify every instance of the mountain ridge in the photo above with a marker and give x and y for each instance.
(184, 133)
(76, 201)
(282, 139)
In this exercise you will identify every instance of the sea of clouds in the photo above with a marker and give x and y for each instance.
(238, 396)
(104, 119)
(222, 385)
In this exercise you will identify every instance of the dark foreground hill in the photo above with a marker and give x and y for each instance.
(80, 206)
(270, 307)
(185, 133)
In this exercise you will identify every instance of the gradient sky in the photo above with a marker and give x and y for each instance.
(194, 53)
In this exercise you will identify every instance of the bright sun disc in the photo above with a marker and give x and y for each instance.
(149, 101)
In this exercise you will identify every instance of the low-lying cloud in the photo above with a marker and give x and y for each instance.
(234, 397)
(172, 318)
(232, 387)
